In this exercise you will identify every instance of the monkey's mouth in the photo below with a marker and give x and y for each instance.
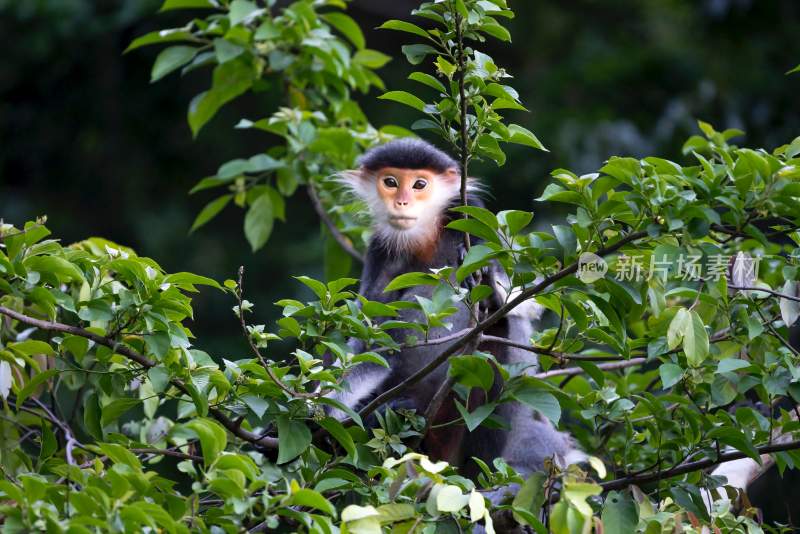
(402, 221)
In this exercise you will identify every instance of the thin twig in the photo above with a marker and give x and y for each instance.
(763, 290)
(777, 334)
(168, 452)
(560, 356)
(249, 338)
(65, 429)
(337, 234)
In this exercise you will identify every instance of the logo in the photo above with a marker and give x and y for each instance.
(591, 267)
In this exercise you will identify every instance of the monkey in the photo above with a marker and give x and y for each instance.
(408, 186)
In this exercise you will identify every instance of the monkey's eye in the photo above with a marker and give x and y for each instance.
(389, 181)
(420, 184)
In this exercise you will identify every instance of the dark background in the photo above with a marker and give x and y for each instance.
(85, 139)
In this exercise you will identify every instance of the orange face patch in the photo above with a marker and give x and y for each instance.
(406, 192)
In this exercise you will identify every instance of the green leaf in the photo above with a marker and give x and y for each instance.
(226, 50)
(796, 69)
(120, 455)
(199, 400)
(259, 221)
(60, 267)
(240, 10)
(488, 146)
(695, 341)
(530, 496)
(319, 289)
(670, 374)
(542, 401)
(474, 419)
(312, 499)
(410, 280)
(347, 26)
(496, 30)
(445, 67)
(91, 416)
(416, 53)
(403, 26)
(523, 136)
(158, 37)
(737, 439)
(171, 59)
(679, 324)
(212, 436)
(230, 80)
(32, 347)
(112, 411)
(404, 98)
(187, 4)
(790, 309)
(475, 227)
(514, 220)
(477, 257)
(482, 214)
(294, 437)
(427, 79)
(450, 499)
(337, 430)
(472, 371)
(728, 365)
(371, 58)
(159, 378)
(558, 194)
(352, 414)
(567, 239)
(619, 514)
(189, 280)
(49, 443)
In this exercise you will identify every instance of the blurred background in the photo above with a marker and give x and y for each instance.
(86, 140)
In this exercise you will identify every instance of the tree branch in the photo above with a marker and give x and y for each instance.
(337, 234)
(611, 366)
(144, 361)
(763, 290)
(697, 465)
(462, 105)
(168, 452)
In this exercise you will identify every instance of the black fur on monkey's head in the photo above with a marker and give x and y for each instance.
(407, 153)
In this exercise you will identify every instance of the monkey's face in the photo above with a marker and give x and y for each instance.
(411, 196)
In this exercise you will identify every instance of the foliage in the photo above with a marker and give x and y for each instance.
(113, 421)
(314, 56)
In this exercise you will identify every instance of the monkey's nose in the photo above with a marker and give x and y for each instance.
(401, 202)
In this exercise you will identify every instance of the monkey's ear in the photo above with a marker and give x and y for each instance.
(452, 175)
(363, 174)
